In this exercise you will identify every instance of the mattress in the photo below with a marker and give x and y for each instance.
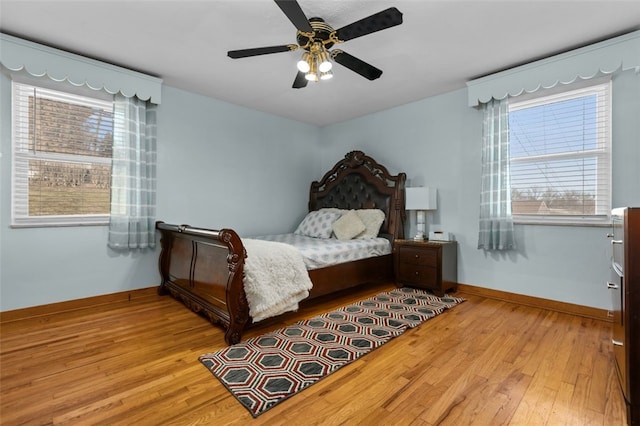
(322, 252)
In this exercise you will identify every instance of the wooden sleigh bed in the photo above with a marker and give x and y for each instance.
(204, 267)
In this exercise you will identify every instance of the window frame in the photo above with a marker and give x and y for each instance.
(566, 92)
(20, 217)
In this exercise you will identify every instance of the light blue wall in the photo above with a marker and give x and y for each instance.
(436, 141)
(219, 165)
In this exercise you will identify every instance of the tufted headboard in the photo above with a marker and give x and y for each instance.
(359, 182)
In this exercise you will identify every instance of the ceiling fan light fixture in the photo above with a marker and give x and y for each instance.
(311, 76)
(326, 75)
(304, 62)
(323, 61)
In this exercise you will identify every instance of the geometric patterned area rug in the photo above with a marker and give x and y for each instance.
(265, 370)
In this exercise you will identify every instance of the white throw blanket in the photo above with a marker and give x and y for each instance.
(275, 278)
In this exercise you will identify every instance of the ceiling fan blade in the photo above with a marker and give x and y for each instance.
(300, 81)
(294, 12)
(378, 21)
(244, 53)
(356, 65)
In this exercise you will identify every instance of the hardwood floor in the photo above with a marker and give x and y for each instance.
(485, 362)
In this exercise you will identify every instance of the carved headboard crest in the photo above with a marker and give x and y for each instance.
(353, 160)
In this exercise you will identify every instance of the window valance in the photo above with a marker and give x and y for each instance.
(620, 53)
(39, 60)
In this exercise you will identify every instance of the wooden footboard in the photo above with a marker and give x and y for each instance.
(203, 268)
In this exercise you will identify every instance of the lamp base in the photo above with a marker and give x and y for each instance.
(420, 216)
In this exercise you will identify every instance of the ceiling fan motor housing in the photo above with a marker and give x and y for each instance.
(321, 33)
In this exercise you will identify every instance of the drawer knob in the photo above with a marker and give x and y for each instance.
(617, 342)
(417, 256)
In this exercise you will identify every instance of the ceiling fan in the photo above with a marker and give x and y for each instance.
(316, 37)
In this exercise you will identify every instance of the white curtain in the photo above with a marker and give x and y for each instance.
(496, 221)
(133, 176)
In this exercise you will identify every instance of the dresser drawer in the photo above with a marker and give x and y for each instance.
(418, 256)
(425, 276)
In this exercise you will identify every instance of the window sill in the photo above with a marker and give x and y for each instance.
(54, 222)
(596, 222)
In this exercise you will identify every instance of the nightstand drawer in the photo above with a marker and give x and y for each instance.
(418, 256)
(417, 274)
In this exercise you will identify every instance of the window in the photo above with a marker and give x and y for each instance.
(560, 147)
(61, 157)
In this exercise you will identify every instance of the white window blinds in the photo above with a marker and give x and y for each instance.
(61, 157)
(560, 153)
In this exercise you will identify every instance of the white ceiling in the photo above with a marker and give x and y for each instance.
(440, 45)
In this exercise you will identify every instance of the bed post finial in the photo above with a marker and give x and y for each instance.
(355, 158)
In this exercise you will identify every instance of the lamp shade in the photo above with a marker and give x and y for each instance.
(421, 198)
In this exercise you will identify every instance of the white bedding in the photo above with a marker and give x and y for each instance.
(275, 278)
(275, 270)
(322, 252)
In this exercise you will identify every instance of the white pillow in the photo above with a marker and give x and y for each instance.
(317, 224)
(372, 219)
(348, 226)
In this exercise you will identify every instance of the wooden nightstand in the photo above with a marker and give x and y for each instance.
(430, 265)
